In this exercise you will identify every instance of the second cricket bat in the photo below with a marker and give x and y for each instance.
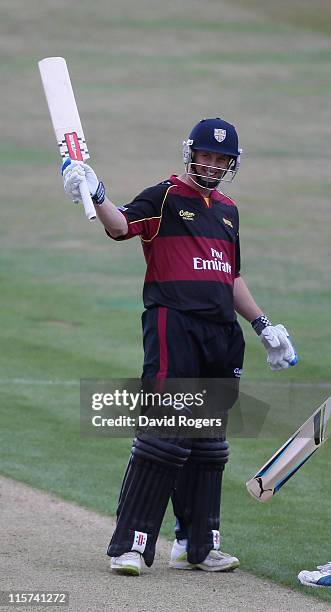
(292, 455)
(65, 118)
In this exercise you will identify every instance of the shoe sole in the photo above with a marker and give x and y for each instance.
(314, 585)
(226, 568)
(128, 570)
(181, 566)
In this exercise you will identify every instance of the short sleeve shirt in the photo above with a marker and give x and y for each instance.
(191, 247)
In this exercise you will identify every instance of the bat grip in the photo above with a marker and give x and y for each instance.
(295, 359)
(87, 201)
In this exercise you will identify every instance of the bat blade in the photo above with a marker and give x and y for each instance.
(65, 117)
(292, 455)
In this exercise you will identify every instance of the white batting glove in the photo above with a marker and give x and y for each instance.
(74, 173)
(281, 353)
(276, 339)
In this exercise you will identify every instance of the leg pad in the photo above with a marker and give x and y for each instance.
(146, 489)
(197, 497)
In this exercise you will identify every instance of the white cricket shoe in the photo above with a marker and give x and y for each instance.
(128, 563)
(216, 561)
(318, 578)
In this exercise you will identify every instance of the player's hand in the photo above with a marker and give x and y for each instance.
(276, 339)
(281, 352)
(74, 172)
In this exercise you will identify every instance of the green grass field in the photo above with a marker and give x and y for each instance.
(70, 300)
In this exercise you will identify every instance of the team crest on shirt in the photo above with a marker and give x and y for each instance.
(219, 134)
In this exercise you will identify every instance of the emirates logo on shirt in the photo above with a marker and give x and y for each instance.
(216, 263)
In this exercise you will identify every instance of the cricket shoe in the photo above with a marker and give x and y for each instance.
(216, 561)
(129, 563)
(318, 578)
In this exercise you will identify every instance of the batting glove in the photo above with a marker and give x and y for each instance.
(73, 173)
(276, 339)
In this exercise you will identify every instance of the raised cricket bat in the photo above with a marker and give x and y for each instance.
(65, 118)
(292, 455)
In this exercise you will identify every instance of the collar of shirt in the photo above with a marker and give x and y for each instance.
(187, 190)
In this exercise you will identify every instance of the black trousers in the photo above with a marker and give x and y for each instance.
(177, 345)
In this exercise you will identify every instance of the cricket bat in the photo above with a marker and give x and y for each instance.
(292, 455)
(65, 118)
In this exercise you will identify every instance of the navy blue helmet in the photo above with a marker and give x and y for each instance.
(216, 136)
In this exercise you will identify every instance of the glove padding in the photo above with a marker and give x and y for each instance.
(74, 173)
(281, 352)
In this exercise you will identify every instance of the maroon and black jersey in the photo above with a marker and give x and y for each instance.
(191, 248)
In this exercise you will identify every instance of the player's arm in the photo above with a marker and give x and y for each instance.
(275, 338)
(112, 218)
(244, 302)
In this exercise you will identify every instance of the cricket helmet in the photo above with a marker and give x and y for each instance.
(216, 136)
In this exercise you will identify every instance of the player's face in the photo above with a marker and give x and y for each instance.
(211, 165)
(208, 168)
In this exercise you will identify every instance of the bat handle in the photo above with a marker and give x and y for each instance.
(87, 201)
(295, 359)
